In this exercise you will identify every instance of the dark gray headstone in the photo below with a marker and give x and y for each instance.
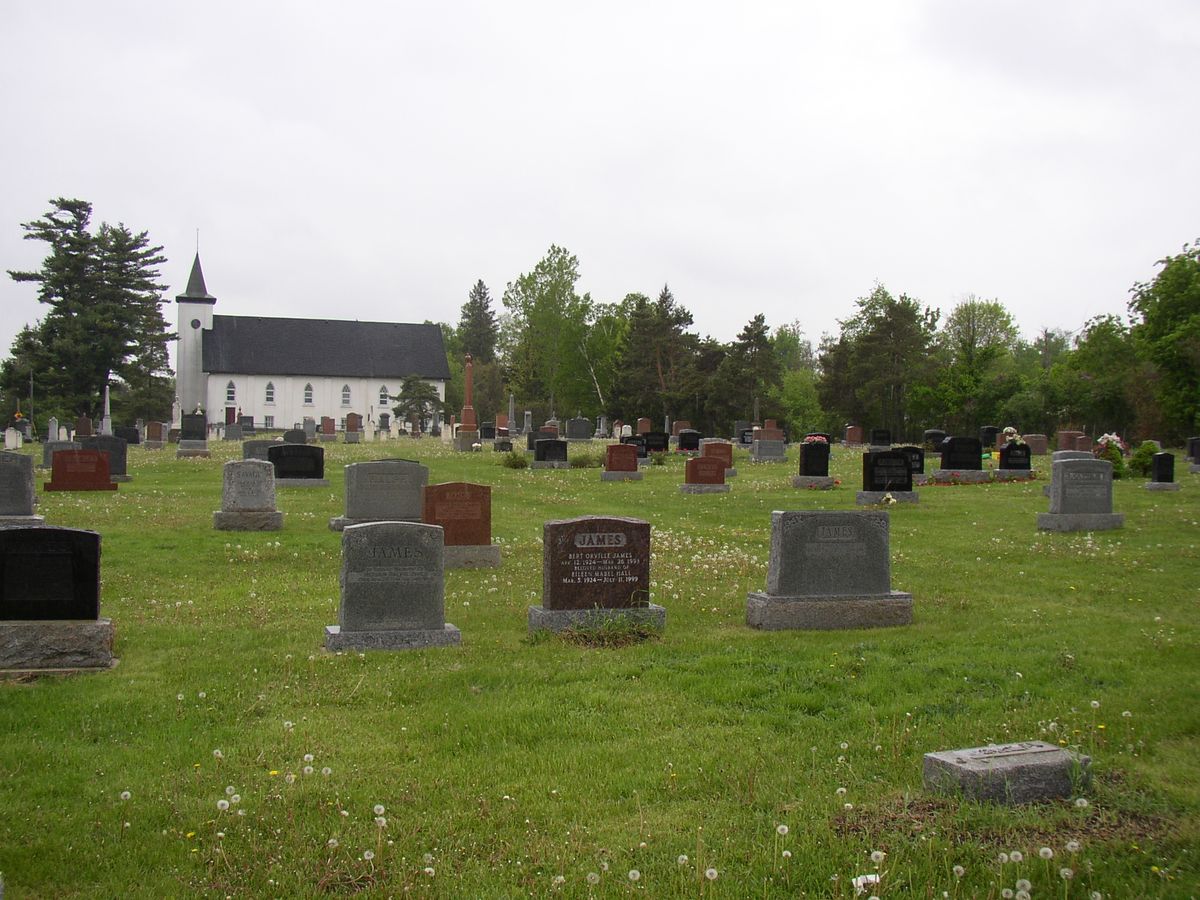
(128, 433)
(1016, 456)
(987, 436)
(295, 436)
(964, 453)
(18, 487)
(257, 449)
(689, 440)
(916, 458)
(49, 573)
(51, 447)
(1162, 468)
(886, 470)
(657, 441)
(579, 429)
(117, 450)
(934, 438)
(194, 427)
(233, 432)
(814, 459)
(299, 461)
(487, 431)
(881, 437)
(550, 450)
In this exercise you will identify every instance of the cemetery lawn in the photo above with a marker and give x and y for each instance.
(715, 761)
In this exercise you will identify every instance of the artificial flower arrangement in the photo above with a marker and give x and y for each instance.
(814, 439)
(1012, 437)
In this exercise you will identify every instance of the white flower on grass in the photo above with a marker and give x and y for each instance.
(682, 859)
(1127, 715)
(710, 874)
(1007, 893)
(634, 875)
(179, 696)
(222, 805)
(381, 821)
(308, 770)
(959, 871)
(217, 754)
(236, 798)
(787, 854)
(429, 870)
(1096, 895)
(878, 856)
(1082, 802)
(1016, 856)
(308, 757)
(1023, 895)
(290, 778)
(560, 879)
(1046, 853)
(1066, 874)
(781, 830)
(1024, 884)
(593, 878)
(1073, 846)
(288, 726)
(1002, 858)
(327, 771)
(860, 882)
(202, 694)
(1095, 704)
(230, 790)
(379, 809)
(841, 792)
(125, 795)
(844, 746)
(368, 855)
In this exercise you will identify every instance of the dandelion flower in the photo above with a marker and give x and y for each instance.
(1046, 853)
(288, 726)
(1002, 858)
(682, 859)
(1095, 704)
(236, 798)
(179, 696)
(1096, 895)
(1007, 894)
(332, 843)
(593, 878)
(379, 809)
(781, 830)
(1073, 846)
(1066, 874)
(308, 757)
(1024, 884)
(368, 855)
(1023, 895)
(844, 746)
(308, 770)
(230, 790)
(222, 805)
(560, 879)
(1016, 856)
(202, 695)
(381, 821)
(1127, 715)
(1082, 803)
(634, 875)
(787, 854)
(841, 792)
(217, 754)
(877, 856)
(327, 771)
(125, 795)
(290, 778)
(959, 871)
(710, 874)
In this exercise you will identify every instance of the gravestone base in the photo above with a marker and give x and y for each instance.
(336, 639)
(465, 441)
(704, 489)
(51, 486)
(353, 437)
(22, 521)
(1162, 485)
(1027, 772)
(828, 613)
(961, 476)
(621, 476)
(192, 450)
(120, 479)
(154, 445)
(248, 520)
(56, 644)
(550, 464)
(339, 523)
(813, 482)
(1080, 521)
(302, 482)
(878, 448)
(471, 556)
(326, 438)
(1014, 474)
(873, 498)
(556, 620)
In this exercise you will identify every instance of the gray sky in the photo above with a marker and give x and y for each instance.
(372, 160)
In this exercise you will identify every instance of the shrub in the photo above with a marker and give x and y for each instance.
(585, 460)
(514, 459)
(1143, 459)
(658, 458)
(1111, 451)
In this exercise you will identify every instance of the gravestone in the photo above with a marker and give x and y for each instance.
(353, 428)
(853, 435)
(882, 438)
(704, 475)
(828, 570)
(1024, 772)
(295, 436)
(542, 434)
(527, 425)
(464, 513)
(739, 426)
(550, 453)
(722, 450)
(1162, 473)
(383, 490)
(657, 441)
(247, 425)
(156, 435)
(502, 445)
(118, 454)
(258, 449)
(50, 600)
(1058, 456)
(595, 569)
(886, 472)
(385, 422)
(12, 439)
(328, 429)
(745, 437)
(987, 436)
(79, 470)
(814, 467)
(52, 429)
(487, 431)
(916, 462)
(298, 465)
(1016, 462)
(689, 440)
(83, 427)
(128, 433)
(638, 442)
(1084, 442)
(18, 491)
(643, 426)
(962, 462)
(1193, 449)
(51, 447)
(770, 432)
(620, 463)
(579, 429)
(626, 431)
(193, 437)
(679, 426)
(1066, 439)
(309, 425)
(233, 432)
(767, 451)
(247, 497)
(392, 589)
(1081, 497)
(1038, 444)
(933, 439)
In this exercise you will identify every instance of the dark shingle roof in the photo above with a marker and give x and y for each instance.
(196, 291)
(267, 346)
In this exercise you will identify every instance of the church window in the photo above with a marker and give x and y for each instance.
(270, 398)
(345, 395)
(308, 394)
(231, 393)
(268, 421)
(383, 395)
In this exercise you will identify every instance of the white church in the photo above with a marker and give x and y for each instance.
(281, 371)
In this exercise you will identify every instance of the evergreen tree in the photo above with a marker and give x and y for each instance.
(750, 369)
(416, 402)
(477, 328)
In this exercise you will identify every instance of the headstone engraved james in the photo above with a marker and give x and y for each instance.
(51, 447)
(464, 512)
(1162, 473)
(393, 589)
(962, 462)
(814, 466)
(382, 490)
(1024, 772)
(1081, 497)
(620, 463)
(704, 475)
(118, 454)
(50, 600)
(886, 473)
(193, 437)
(18, 491)
(550, 453)
(722, 450)
(298, 465)
(595, 569)
(79, 470)
(248, 497)
(828, 570)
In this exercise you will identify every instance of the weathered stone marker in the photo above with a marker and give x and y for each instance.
(248, 497)
(18, 490)
(1081, 497)
(1024, 772)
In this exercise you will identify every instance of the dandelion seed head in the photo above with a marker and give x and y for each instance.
(1066, 874)
(125, 795)
(787, 854)
(877, 856)
(1073, 846)
(379, 809)
(308, 757)
(222, 805)
(781, 830)
(1046, 853)
(230, 790)
(710, 874)
(1024, 884)
(682, 859)
(593, 878)
(634, 875)
(308, 770)
(368, 855)
(1082, 802)
(1016, 856)
(327, 771)
(217, 754)
(959, 871)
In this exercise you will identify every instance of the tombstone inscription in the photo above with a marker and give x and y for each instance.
(383, 490)
(1023, 772)
(248, 497)
(79, 470)
(886, 473)
(298, 465)
(1081, 497)
(704, 475)
(464, 512)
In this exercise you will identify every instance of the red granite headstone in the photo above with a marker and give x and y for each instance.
(1066, 439)
(768, 432)
(1037, 444)
(854, 434)
(1084, 443)
(79, 470)
(643, 426)
(722, 450)
(463, 510)
(704, 470)
(596, 561)
(621, 458)
(327, 425)
(678, 426)
(353, 422)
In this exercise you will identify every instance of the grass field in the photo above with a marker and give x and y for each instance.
(715, 762)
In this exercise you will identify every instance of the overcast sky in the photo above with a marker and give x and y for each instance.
(372, 160)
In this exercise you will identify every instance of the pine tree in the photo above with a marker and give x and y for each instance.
(477, 327)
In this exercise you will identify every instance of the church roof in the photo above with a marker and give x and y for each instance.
(196, 291)
(255, 345)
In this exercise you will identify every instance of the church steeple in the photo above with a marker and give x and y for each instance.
(196, 291)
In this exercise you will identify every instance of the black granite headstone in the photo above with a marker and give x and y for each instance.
(987, 436)
(550, 450)
(193, 427)
(532, 437)
(814, 459)
(295, 436)
(689, 440)
(297, 460)
(1016, 456)
(128, 433)
(1162, 468)
(962, 453)
(49, 573)
(503, 445)
(746, 437)
(886, 470)
(916, 458)
(638, 441)
(487, 431)
(657, 441)
(881, 437)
